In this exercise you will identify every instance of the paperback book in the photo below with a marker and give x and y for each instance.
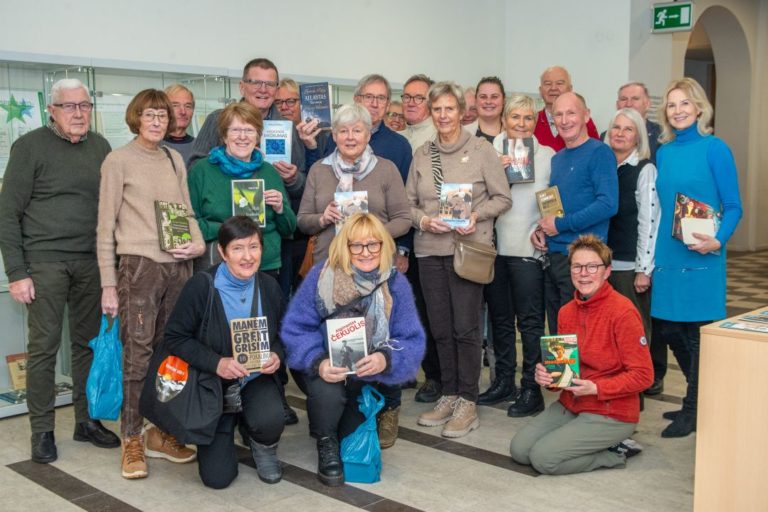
(276, 141)
(250, 342)
(17, 369)
(347, 342)
(350, 203)
(746, 326)
(456, 204)
(248, 200)
(560, 356)
(549, 202)
(172, 224)
(316, 103)
(707, 219)
(521, 169)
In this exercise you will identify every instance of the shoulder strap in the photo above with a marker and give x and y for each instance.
(203, 330)
(437, 167)
(168, 153)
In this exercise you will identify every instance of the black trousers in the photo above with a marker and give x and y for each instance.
(558, 287)
(516, 294)
(332, 408)
(263, 418)
(684, 340)
(431, 363)
(658, 351)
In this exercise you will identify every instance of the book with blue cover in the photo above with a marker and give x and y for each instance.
(456, 204)
(276, 141)
(316, 103)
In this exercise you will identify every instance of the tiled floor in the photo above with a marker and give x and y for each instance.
(421, 472)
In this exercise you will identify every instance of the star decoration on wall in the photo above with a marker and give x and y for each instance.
(16, 110)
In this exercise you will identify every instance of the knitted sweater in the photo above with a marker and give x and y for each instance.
(304, 336)
(49, 200)
(386, 200)
(132, 179)
(469, 160)
(210, 192)
(419, 133)
(613, 353)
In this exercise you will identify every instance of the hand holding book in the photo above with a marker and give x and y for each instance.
(274, 198)
(705, 245)
(582, 387)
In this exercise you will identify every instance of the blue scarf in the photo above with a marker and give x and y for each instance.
(233, 167)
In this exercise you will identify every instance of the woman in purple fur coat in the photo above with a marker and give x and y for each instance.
(357, 281)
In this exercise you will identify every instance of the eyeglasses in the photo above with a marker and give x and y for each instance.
(373, 248)
(258, 84)
(289, 102)
(84, 106)
(368, 98)
(248, 132)
(591, 268)
(395, 115)
(149, 116)
(418, 99)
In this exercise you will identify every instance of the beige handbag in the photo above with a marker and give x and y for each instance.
(473, 261)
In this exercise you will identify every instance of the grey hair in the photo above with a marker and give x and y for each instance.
(553, 68)
(470, 89)
(519, 100)
(421, 77)
(643, 148)
(370, 79)
(351, 114)
(630, 84)
(67, 84)
(289, 83)
(447, 88)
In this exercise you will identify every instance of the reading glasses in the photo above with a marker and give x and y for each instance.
(591, 268)
(373, 248)
(290, 102)
(418, 99)
(269, 84)
(85, 106)
(368, 98)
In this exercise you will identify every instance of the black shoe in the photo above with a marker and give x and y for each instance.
(330, 470)
(502, 390)
(656, 388)
(429, 392)
(683, 424)
(529, 402)
(43, 447)
(289, 415)
(671, 415)
(628, 448)
(92, 431)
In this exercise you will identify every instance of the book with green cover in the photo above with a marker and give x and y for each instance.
(172, 224)
(248, 200)
(560, 356)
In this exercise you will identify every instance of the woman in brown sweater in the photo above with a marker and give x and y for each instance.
(453, 303)
(352, 167)
(144, 287)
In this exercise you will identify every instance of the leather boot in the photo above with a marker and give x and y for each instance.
(92, 431)
(267, 464)
(44, 447)
(330, 470)
(502, 390)
(429, 392)
(683, 424)
(388, 427)
(529, 402)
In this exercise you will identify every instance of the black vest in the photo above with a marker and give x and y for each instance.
(622, 233)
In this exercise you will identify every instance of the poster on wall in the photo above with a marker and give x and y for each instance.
(20, 112)
(110, 119)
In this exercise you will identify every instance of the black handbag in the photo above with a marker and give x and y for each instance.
(180, 399)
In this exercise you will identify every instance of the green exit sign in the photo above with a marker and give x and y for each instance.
(672, 17)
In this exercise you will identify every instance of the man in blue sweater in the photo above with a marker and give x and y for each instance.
(585, 175)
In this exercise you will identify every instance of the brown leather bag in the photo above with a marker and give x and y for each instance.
(473, 261)
(309, 259)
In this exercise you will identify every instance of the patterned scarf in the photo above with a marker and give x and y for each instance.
(359, 170)
(233, 167)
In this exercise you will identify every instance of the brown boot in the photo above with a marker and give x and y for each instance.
(164, 446)
(442, 412)
(463, 421)
(388, 422)
(134, 464)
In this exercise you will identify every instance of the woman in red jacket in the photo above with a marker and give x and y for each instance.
(589, 426)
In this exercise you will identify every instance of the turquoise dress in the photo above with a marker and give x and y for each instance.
(688, 286)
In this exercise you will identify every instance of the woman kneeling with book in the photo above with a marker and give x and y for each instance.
(245, 301)
(589, 426)
(357, 283)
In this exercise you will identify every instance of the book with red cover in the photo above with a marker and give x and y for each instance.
(686, 206)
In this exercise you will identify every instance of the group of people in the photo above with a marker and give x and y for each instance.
(78, 229)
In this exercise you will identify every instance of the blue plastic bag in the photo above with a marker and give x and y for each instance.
(360, 450)
(104, 388)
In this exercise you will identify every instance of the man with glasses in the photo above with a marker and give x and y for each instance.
(287, 101)
(48, 212)
(394, 118)
(183, 102)
(420, 127)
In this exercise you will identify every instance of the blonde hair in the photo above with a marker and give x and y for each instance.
(696, 94)
(360, 226)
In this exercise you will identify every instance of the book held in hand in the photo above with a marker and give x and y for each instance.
(17, 369)
(347, 342)
(250, 342)
(276, 141)
(172, 224)
(350, 203)
(560, 356)
(316, 103)
(521, 169)
(549, 202)
(248, 200)
(686, 207)
(456, 204)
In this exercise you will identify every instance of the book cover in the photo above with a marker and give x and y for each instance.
(560, 356)
(316, 103)
(17, 369)
(688, 207)
(276, 141)
(521, 169)
(761, 317)
(350, 203)
(347, 342)
(455, 204)
(16, 396)
(250, 342)
(248, 200)
(746, 326)
(549, 202)
(172, 224)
